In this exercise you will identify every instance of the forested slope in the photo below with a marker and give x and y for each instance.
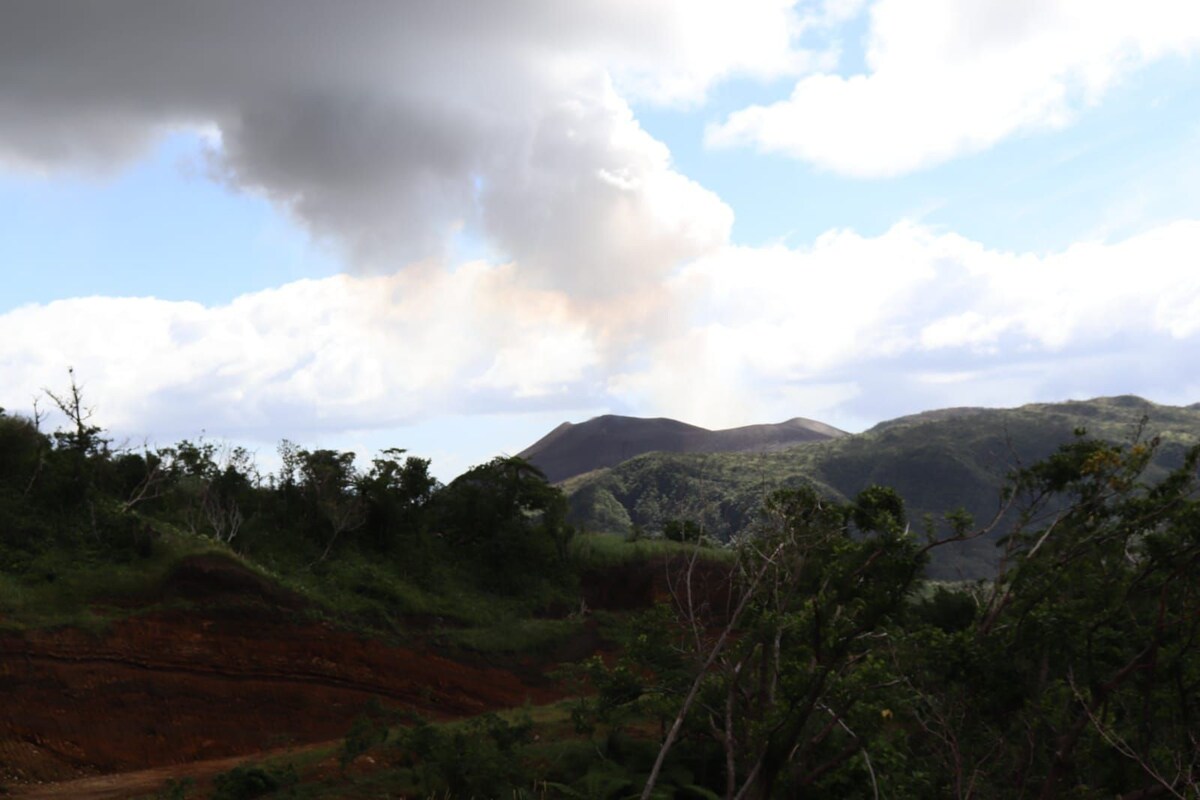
(938, 461)
(173, 605)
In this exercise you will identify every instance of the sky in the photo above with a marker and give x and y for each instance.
(450, 226)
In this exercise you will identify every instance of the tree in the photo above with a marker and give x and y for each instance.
(1092, 633)
(1076, 673)
(789, 684)
(82, 436)
(23, 452)
(329, 482)
(213, 481)
(509, 518)
(396, 494)
(81, 446)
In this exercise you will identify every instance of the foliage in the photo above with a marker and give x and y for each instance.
(176, 789)
(480, 758)
(377, 544)
(368, 730)
(248, 781)
(505, 515)
(936, 461)
(1084, 655)
(762, 675)
(830, 672)
(594, 551)
(682, 530)
(807, 658)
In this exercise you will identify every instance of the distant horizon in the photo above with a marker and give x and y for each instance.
(265, 456)
(905, 414)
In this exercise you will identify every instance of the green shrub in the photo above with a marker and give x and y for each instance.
(249, 781)
(369, 729)
(482, 758)
(176, 789)
(946, 609)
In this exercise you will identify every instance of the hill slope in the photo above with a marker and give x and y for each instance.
(573, 449)
(937, 460)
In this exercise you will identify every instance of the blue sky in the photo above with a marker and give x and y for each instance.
(159, 227)
(452, 237)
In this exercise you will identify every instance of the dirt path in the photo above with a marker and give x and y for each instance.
(146, 781)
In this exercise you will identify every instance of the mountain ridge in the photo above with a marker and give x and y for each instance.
(573, 449)
(937, 460)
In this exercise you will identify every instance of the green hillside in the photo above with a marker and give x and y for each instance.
(463, 640)
(937, 460)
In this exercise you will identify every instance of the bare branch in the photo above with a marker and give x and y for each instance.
(688, 700)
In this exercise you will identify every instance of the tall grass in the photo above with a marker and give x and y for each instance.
(87, 587)
(601, 550)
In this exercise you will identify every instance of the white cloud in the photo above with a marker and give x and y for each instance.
(342, 353)
(1093, 290)
(590, 203)
(867, 322)
(672, 52)
(400, 126)
(850, 329)
(950, 77)
(969, 328)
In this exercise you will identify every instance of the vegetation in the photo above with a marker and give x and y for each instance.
(83, 525)
(1076, 673)
(809, 658)
(250, 781)
(937, 461)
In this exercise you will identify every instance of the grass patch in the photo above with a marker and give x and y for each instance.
(87, 587)
(553, 751)
(514, 635)
(599, 550)
(360, 587)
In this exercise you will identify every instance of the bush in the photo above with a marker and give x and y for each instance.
(949, 610)
(176, 789)
(482, 758)
(249, 781)
(369, 729)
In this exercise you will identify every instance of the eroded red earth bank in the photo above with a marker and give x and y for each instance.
(224, 679)
(236, 674)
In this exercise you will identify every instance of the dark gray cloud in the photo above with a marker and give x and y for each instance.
(391, 125)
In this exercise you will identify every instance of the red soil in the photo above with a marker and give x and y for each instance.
(176, 693)
(639, 585)
(220, 681)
